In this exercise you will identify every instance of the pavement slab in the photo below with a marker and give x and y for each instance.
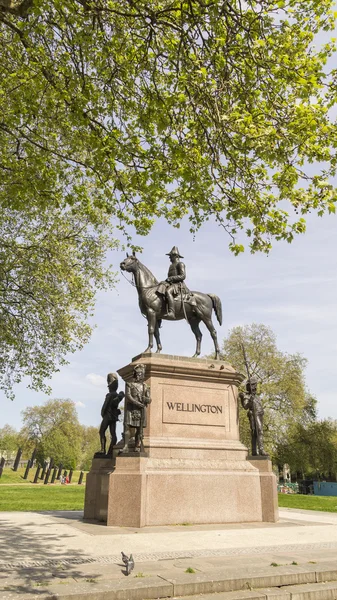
(56, 554)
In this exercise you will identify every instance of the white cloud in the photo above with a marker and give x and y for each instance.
(95, 379)
(79, 404)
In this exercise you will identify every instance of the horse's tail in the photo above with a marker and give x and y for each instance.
(217, 307)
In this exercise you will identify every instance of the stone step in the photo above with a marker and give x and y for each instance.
(307, 591)
(290, 582)
(231, 580)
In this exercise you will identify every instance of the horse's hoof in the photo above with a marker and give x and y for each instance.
(147, 351)
(196, 355)
(158, 351)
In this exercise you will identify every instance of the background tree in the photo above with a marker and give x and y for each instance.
(281, 382)
(8, 440)
(129, 111)
(310, 449)
(55, 430)
(90, 445)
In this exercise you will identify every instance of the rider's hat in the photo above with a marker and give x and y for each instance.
(175, 252)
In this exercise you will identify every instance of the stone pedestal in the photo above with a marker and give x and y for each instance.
(195, 469)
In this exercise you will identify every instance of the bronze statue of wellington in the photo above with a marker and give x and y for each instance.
(172, 300)
(175, 283)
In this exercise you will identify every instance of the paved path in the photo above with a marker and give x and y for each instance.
(30, 537)
(59, 547)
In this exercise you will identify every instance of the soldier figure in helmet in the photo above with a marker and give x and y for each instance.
(174, 284)
(252, 403)
(110, 413)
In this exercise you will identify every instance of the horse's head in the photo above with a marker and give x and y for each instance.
(130, 263)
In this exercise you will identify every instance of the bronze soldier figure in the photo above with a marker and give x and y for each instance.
(137, 397)
(174, 284)
(253, 405)
(110, 413)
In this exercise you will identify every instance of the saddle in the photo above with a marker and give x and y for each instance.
(184, 293)
(188, 298)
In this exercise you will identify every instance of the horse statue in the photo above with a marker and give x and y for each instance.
(153, 306)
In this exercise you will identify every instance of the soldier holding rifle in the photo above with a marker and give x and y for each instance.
(252, 403)
(137, 397)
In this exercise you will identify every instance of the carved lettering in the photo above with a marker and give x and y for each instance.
(181, 406)
(191, 405)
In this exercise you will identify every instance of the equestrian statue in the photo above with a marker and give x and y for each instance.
(172, 300)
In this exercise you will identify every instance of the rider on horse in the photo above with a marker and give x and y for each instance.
(174, 284)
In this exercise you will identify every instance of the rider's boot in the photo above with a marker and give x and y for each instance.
(170, 306)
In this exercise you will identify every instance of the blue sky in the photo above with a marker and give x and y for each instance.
(293, 290)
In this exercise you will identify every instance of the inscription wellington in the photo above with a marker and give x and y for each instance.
(204, 408)
(181, 406)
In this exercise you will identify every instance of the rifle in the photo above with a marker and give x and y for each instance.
(249, 379)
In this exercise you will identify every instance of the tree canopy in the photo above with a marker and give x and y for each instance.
(169, 108)
(53, 428)
(9, 440)
(310, 449)
(50, 267)
(117, 112)
(90, 445)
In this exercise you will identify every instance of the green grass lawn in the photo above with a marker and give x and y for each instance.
(9, 476)
(48, 497)
(71, 497)
(325, 503)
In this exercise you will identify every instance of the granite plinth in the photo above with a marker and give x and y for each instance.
(97, 489)
(195, 469)
(269, 501)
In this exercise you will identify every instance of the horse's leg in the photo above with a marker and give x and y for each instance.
(157, 336)
(212, 330)
(194, 324)
(151, 325)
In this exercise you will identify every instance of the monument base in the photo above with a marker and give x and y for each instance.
(140, 491)
(137, 491)
(195, 469)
